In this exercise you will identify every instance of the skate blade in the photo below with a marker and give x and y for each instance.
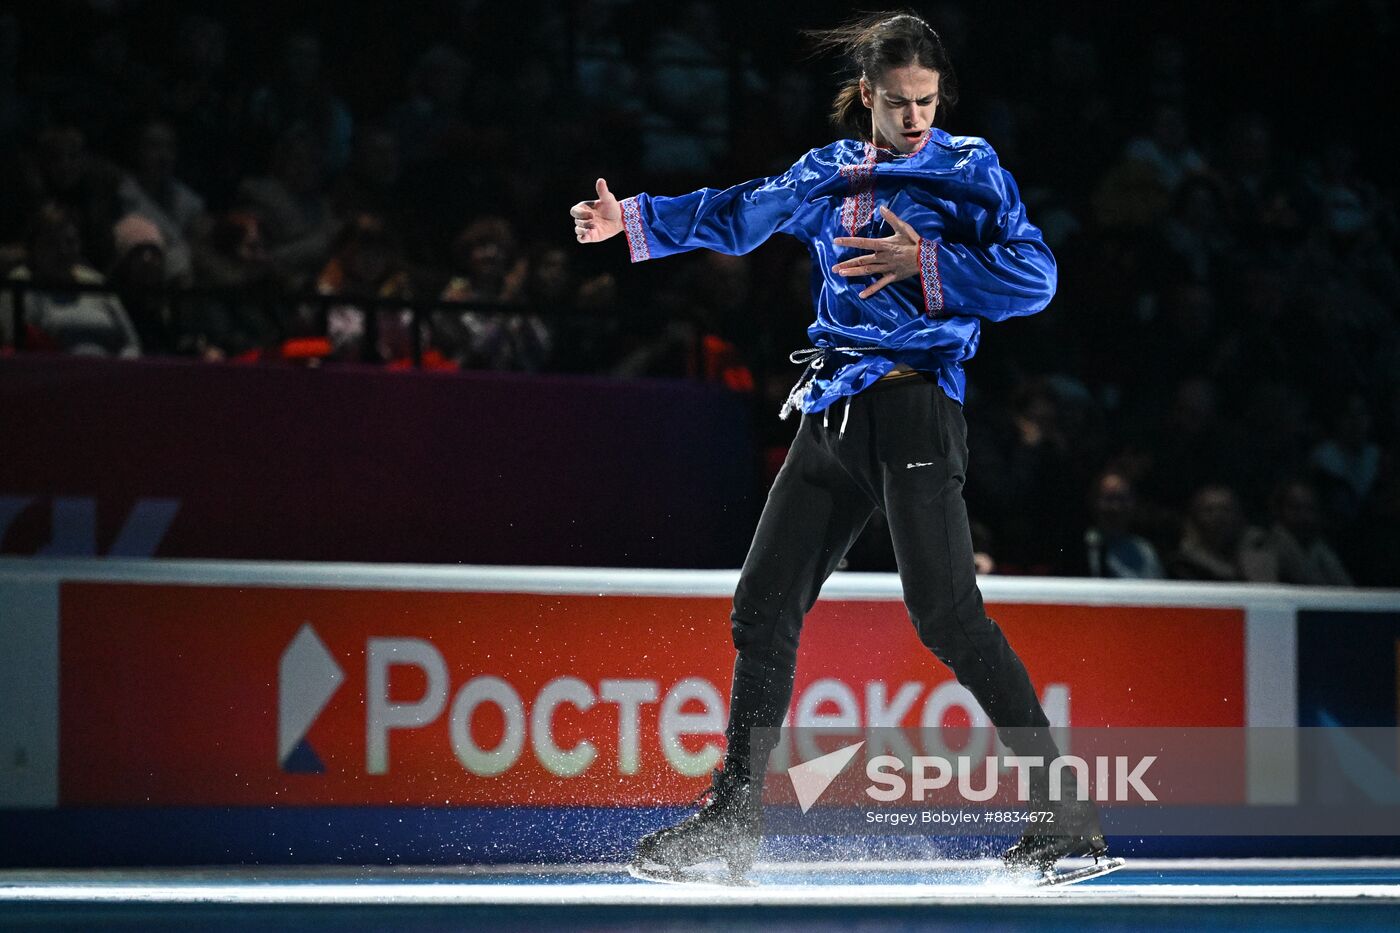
(1104, 865)
(701, 874)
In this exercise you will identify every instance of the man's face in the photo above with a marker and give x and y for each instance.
(902, 103)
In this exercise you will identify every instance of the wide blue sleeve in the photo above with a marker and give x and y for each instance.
(733, 220)
(989, 261)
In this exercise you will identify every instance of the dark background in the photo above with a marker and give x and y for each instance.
(1217, 181)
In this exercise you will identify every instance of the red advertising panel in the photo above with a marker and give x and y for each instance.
(210, 696)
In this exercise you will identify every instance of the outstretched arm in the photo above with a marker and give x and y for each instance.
(733, 220)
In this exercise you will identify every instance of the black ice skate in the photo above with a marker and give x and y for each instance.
(1073, 831)
(726, 829)
(1041, 850)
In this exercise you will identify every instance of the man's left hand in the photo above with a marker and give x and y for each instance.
(891, 258)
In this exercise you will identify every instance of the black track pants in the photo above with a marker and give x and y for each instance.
(903, 451)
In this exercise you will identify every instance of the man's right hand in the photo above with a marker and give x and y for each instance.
(595, 221)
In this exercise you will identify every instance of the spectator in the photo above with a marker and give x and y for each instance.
(1348, 461)
(1111, 549)
(583, 332)
(84, 323)
(371, 184)
(367, 264)
(297, 222)
(138, 277)
(1218, 545)
(983, 547)
(1348, 280)
(486, 263)
(1347, 202)
(237, 324)
(487, 267)
(718, 302)
(699, 336)
(237, 256)
(1304, 555)
(153, 191)
(1022, 485)
(60, 169)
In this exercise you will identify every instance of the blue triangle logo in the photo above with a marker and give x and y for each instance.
(303, 760)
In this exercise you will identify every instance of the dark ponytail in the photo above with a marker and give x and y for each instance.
(875, 43)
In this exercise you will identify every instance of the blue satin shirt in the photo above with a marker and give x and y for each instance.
(980, 258)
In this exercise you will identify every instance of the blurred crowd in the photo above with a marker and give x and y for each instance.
(1213, 395)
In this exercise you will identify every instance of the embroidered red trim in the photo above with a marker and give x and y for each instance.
(859, 206)
(635, 228)
(929, 275)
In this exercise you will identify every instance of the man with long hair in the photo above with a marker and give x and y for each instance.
(917, 237)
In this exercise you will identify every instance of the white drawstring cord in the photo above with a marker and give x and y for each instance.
(844, 418)
(815, 359)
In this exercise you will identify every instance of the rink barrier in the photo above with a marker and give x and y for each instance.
(104, 665)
